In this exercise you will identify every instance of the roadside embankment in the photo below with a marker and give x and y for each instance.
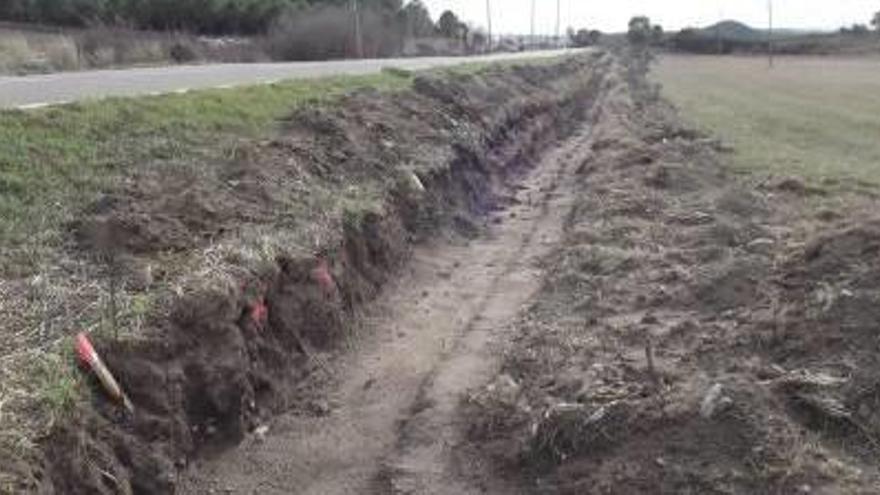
(249, 273)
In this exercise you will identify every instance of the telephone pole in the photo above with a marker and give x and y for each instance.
(532, 34)
(558, 20)
(770, 33)
(358, 36)
(489, 22)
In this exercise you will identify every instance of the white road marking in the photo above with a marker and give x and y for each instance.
(34, 106)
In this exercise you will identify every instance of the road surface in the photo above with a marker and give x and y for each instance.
(42, 90)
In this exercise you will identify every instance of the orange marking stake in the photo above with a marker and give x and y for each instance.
(90, 358)
(321, 275)
(259, 313)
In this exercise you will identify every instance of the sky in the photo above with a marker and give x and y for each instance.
(512, 16)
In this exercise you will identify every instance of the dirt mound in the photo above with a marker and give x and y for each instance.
(694, 334)
(266, 259)
(842, 252)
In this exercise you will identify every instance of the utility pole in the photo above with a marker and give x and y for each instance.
(358, 36)
(532, 36)
(558, 20)
(489, 22)
(770, 33)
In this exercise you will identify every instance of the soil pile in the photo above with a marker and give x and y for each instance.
(260, 266)
(693, 335)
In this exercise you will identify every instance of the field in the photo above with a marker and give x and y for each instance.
(814, 117)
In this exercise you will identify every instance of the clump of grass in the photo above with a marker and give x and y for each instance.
(24, 52)
(38, 389)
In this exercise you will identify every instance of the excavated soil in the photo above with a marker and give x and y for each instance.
(696, 332)
(345, 196)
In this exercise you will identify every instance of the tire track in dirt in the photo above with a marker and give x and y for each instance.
(390, 420)
(426, 460)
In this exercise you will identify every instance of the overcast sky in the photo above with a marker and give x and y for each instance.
(512, 16)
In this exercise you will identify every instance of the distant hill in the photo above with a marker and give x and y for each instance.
(732, 30)
(737, 31)
(735, 37)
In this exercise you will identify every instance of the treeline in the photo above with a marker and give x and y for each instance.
(198, 16)
(705, 42)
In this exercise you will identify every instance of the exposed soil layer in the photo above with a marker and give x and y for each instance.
(351, 188)
(694, 333)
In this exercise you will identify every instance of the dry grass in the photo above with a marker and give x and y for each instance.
(24, 51)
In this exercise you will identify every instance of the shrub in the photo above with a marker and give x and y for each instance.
(320, 33)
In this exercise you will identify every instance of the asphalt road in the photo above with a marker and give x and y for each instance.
(42, 90)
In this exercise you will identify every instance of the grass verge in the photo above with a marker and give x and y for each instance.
(56, 160)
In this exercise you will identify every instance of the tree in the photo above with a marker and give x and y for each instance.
(860, 29)
(639, 31)
(449, 25)
(478, 41)
(656, 34)
(417, 20)
(583, 37)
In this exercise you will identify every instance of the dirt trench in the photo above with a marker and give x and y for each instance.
(215, 369)
(387, 425)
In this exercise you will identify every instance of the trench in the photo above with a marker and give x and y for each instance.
(424, 291)
(389, 425)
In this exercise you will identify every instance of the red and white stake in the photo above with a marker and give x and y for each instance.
(89, 357)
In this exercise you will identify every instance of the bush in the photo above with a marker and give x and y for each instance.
(182, 52)
(311, 34)
(35, 52)
(320, 33)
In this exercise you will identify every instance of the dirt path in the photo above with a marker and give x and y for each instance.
(391, 418)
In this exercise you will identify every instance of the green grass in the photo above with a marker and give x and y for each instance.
(817, 118)
(54, 161)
